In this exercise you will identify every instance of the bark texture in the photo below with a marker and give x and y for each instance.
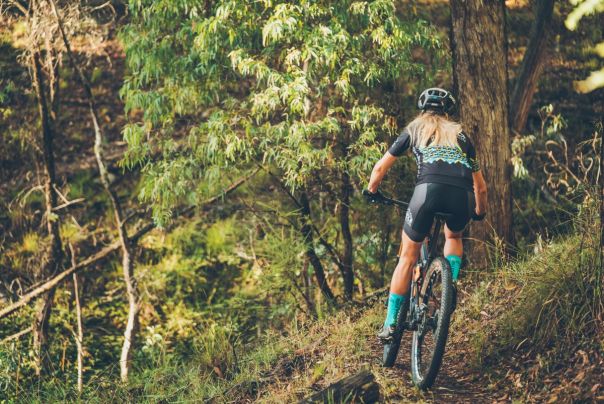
(478, 40)
(54, 254)
(532, 65)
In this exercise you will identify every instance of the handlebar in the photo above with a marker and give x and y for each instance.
(378, 197)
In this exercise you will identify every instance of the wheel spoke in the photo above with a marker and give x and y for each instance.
(430, 338)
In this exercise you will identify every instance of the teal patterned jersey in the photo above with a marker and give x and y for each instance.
(441, 164)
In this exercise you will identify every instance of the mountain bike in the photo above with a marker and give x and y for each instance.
(428, 310)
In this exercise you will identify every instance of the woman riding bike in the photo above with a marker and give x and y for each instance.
(449, 181)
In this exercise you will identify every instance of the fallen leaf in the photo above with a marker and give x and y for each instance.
(583, 356)
(218, 372)
(509, 286)
(580, 376)
(552, 399)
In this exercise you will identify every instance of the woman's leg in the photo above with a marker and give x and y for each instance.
(453, 250)
(401, 280)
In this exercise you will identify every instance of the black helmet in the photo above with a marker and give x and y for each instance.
(437, 100)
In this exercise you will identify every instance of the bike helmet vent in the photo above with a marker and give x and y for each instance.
(437, 100)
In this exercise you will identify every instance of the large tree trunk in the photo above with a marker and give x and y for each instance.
(532, 65)
(348, 257)
(478, 41)
(54, 254)
(307, 234)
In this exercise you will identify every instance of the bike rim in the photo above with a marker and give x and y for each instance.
(425, 338)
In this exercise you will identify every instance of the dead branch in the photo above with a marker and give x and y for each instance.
(17, 335)
(68, 203)
(52, 283)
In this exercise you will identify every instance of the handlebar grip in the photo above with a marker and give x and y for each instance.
(375, 197)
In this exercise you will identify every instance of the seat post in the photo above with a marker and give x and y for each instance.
(434, 237)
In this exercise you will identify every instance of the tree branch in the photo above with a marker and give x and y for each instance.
(17, 335)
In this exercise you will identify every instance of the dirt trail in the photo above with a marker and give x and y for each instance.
(456, 382)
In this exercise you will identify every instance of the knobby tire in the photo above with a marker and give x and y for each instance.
(425, 370)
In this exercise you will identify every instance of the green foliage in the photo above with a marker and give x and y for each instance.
(296, 86)
(584, 8)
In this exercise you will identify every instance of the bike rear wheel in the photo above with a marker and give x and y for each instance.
(433, 317)
(391, 348)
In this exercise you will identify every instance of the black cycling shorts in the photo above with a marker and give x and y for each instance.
(430, 198)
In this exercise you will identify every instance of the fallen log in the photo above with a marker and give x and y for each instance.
(358, 388)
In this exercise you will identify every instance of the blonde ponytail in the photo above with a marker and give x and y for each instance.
(428, 129)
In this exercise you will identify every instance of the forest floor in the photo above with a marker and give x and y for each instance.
(529, 331)
(341, 346)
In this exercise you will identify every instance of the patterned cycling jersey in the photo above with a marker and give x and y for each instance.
(441, 164)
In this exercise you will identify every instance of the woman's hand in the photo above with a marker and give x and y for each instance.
(374, 197)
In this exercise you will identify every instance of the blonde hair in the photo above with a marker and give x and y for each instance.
(432, 129)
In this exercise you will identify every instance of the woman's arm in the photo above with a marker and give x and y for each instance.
(379, 171)
(480, 192)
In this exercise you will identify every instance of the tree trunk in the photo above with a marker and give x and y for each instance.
(79, 333)
(348, 257)
(54, 255)
(479, 46)
(532, 65)
(307, 234)
(133, 309)
(308, 295)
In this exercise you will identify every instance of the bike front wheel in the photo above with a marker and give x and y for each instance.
(433, 317)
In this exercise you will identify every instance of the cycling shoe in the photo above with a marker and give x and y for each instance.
(386, 333)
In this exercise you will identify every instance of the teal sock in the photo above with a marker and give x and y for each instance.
(394, 305)
(455, 262)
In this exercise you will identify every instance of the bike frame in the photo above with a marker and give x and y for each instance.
(431, 243)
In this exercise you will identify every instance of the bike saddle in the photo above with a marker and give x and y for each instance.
(442, 215)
